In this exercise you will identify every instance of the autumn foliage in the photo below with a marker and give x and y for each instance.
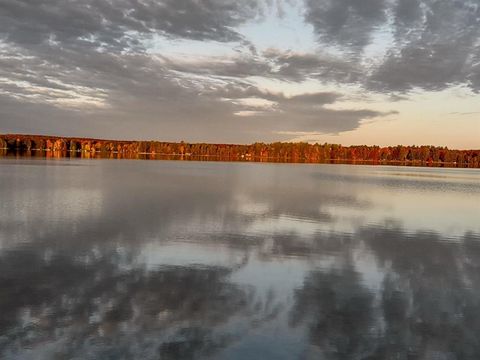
(281, 152)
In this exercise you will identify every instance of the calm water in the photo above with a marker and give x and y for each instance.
(120, 259)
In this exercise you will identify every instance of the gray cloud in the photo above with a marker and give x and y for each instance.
(311, 114)
(138, 94)
(297, 66)
(435, 42)
(111, 23)
(431, 67)
(150, 103)
(347, 23)
(239, 66)
(83, 67)
(275, 64)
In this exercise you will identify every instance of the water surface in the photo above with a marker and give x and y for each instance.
(124, 259)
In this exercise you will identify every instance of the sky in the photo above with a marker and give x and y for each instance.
(354, 72)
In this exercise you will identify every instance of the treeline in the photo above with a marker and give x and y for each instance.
(285, 152)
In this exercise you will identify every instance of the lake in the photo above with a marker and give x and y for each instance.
(131, 259)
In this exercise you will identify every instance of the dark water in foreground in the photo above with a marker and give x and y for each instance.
(107, 259)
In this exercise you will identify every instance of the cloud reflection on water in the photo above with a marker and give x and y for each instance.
(188, 260)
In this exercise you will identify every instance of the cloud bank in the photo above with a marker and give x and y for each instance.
(88, 67)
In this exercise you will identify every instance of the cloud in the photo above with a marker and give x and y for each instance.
(434, 44)
(112, 24)
(305, 112)
(238, 66)
(346, 23)
(296, 66)
(86, 67)
(287, 66)
(87, 92)
(138, 93)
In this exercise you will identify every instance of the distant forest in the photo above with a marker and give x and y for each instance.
(276, 152)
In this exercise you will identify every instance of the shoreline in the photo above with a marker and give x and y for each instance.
(98, 155)
(277, 152)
